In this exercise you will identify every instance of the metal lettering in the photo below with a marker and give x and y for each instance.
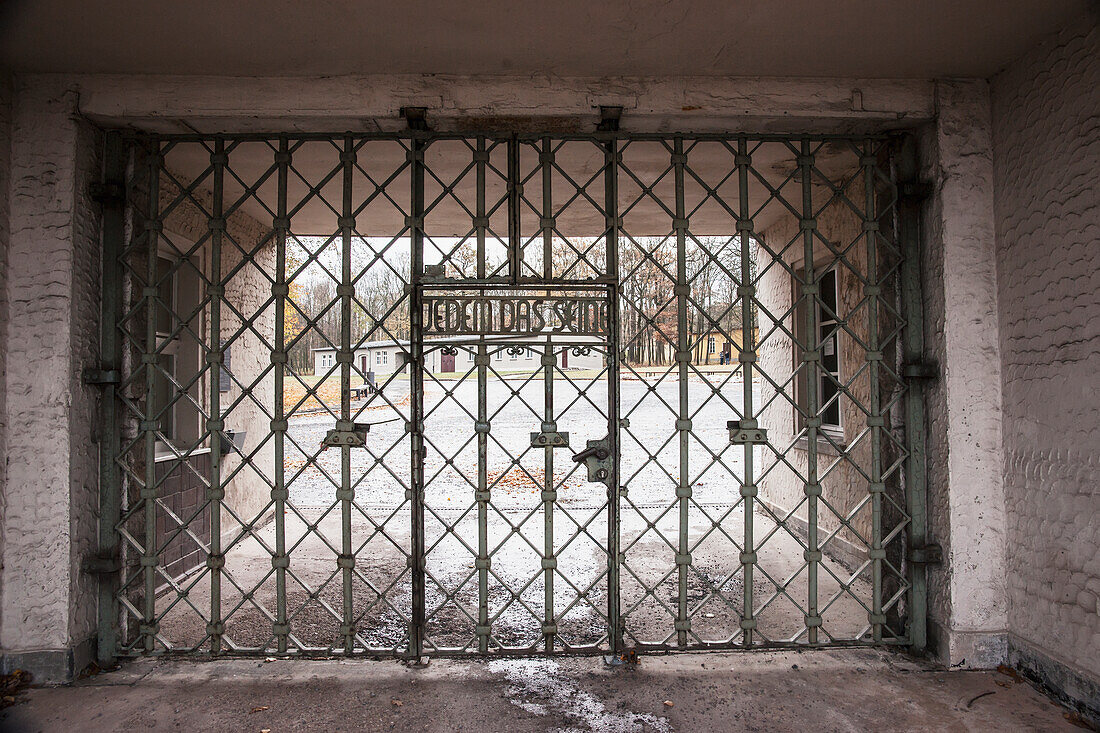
(489, 314)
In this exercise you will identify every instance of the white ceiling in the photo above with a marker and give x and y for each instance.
(839, 38)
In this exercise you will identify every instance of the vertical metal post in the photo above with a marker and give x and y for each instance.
(874, 408)
(216, 292)
(515, 243)
(416, 401)
(281, 292)
(149, 424)
(746, 291)
(549, 495)
(481, 158)
(482, 428)
(811, 355)
(916, 477)
(346, 355)
(614, 559)
(683, 421)
(110, 359)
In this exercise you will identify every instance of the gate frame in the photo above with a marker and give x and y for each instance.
(119, 217)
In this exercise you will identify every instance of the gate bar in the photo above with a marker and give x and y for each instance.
(345, 356)
(416, 398)
(683, 354)
(746, 357)
(810, 356)
(484, 630)
(870, 226)
(611, 206)
(549, 627)
(217, 358)
(281, 291)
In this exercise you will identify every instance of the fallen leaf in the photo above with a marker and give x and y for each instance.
(668, 703)
(259, 709)
(265, 730)
(396, 702)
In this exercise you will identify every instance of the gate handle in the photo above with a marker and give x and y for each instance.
(598, 451)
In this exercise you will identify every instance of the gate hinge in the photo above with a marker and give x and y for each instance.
(930, 554)
(108, 193)
(609, 119)
(921, 370)
(914, 190)
(416, 117)
(100, 565)
(101, 376)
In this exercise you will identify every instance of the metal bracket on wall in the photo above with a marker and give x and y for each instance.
(100, 565)
(100, 377)
(931, 554)
(921, 370)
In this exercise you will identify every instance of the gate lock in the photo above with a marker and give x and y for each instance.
(347, 433)
(597, 458)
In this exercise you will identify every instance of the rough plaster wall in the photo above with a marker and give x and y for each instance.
(842, 486)
(965, 407)
(247, 290)
(5, 240)
(84, 408)
(52, 281)
(1046, 131)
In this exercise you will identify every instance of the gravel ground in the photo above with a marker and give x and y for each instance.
(517, 529)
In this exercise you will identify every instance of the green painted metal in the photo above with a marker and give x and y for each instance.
(692, 566)
(916, 465)
(115, 157)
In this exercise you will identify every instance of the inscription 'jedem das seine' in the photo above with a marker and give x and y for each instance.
(487, 314)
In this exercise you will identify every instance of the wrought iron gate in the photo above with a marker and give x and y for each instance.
(427, 394)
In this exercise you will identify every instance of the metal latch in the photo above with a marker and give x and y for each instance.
(352, 435)
(550, 440)
(597, 458)
(930, 554)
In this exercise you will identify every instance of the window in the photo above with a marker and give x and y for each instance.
(378, 357)
(498, 355)
(179, 353)
(827, 342)
(710, 345)
(513, 354)
(385, 357)
(828, 333)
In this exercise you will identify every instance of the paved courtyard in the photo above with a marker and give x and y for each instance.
(838, 690)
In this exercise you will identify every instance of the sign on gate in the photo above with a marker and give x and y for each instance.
(515, 315)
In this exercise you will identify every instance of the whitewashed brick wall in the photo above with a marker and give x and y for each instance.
(1046, 132)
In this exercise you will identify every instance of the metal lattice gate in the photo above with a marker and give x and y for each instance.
(428, 394)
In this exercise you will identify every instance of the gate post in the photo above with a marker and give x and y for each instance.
(912, 305)
(416, 399)
(112, 196)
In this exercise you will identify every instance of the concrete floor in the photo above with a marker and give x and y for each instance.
(842, 690)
